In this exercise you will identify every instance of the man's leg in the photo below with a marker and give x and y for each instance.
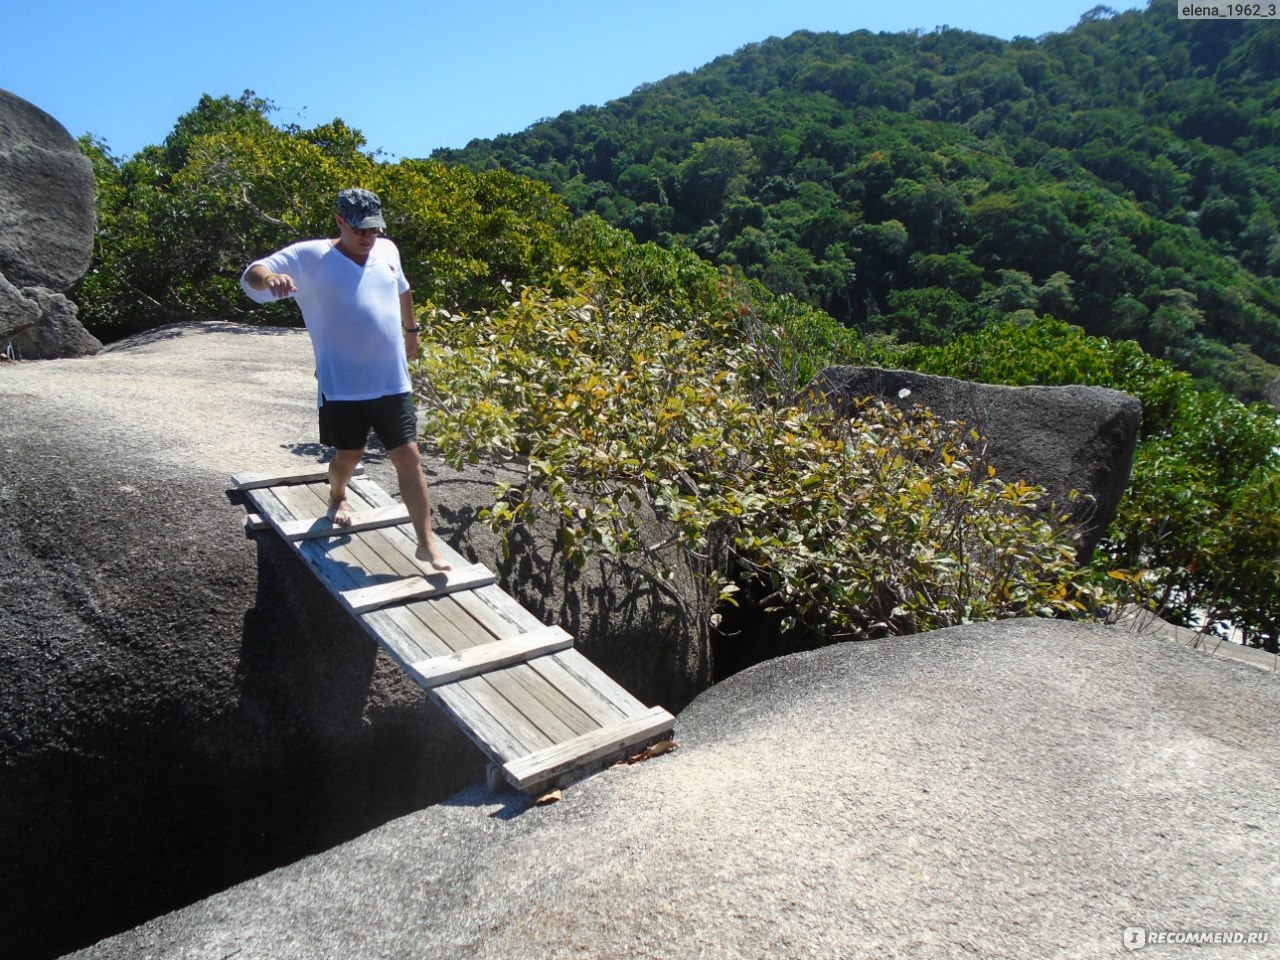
(413, 490)
(341, 467)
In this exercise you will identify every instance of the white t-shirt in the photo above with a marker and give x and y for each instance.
(352, 313)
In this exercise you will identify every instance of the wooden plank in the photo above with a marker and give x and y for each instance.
(505, 606)
(587, 707)
(331, 562)
(322, 526)
(489, 713)
(303, 500)
(529, 703)
(317, 495)
(350, 553)
(497, 622)
(397, 541)
(397, 538)
(404, 643)
(475, 707)
(536, 768)
(338, 567)
(592, 690)
(510, 708)
(538, 703)
(270, 507)
(307, 473)
(608, 689)
(306, 501)
(557, 715)
(588, 686)
(585, 696)
(489, 656)
(371, 491)
(363, 599)
(425, 615)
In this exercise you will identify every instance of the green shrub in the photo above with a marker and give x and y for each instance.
(882, 524)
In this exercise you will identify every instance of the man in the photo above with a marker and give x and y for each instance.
(358, 309)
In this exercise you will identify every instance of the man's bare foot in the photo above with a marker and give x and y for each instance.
(431, 554)
(339, 512)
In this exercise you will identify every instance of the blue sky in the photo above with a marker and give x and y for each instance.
(417, 76)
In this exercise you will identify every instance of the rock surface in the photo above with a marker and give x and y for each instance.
(181, 708)
(1059, 438)
(46, 203)
(54, 332)
(1024, 789)
(47, 222)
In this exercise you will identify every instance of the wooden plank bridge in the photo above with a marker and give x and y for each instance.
(541, 712)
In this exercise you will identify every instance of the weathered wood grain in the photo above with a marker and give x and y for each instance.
(536, 768)
(306, 473)
(363, 599)
(322, 526)
(489, 656)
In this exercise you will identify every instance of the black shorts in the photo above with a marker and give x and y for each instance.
(345, 424)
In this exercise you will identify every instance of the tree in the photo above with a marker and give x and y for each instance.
(705, 177)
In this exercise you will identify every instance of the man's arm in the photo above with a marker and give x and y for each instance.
(260, 278)
(409, 323)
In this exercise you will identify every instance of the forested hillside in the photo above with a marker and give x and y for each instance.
(1121, 176)
(972, 203)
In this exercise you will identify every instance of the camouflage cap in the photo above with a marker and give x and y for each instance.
(360, 208)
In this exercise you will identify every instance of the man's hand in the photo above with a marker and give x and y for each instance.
(411, 343)
(280, 284)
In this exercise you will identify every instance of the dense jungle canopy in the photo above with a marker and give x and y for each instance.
(1121, 175)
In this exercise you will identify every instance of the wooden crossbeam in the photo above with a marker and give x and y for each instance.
(314, 527)
(539, 767)
(308, 473)
(489, 656)
(404, 589)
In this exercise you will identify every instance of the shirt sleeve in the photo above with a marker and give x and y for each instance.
(402, 282)
(282, 261)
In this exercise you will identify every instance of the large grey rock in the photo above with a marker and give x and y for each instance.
(54, 332)
(47, 213)
(47, 222)
(1272, 391)
(180, 707)
(1023, 789)
(17, 311)
(1059, 438)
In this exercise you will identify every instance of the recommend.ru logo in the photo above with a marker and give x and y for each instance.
(1135, 938)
